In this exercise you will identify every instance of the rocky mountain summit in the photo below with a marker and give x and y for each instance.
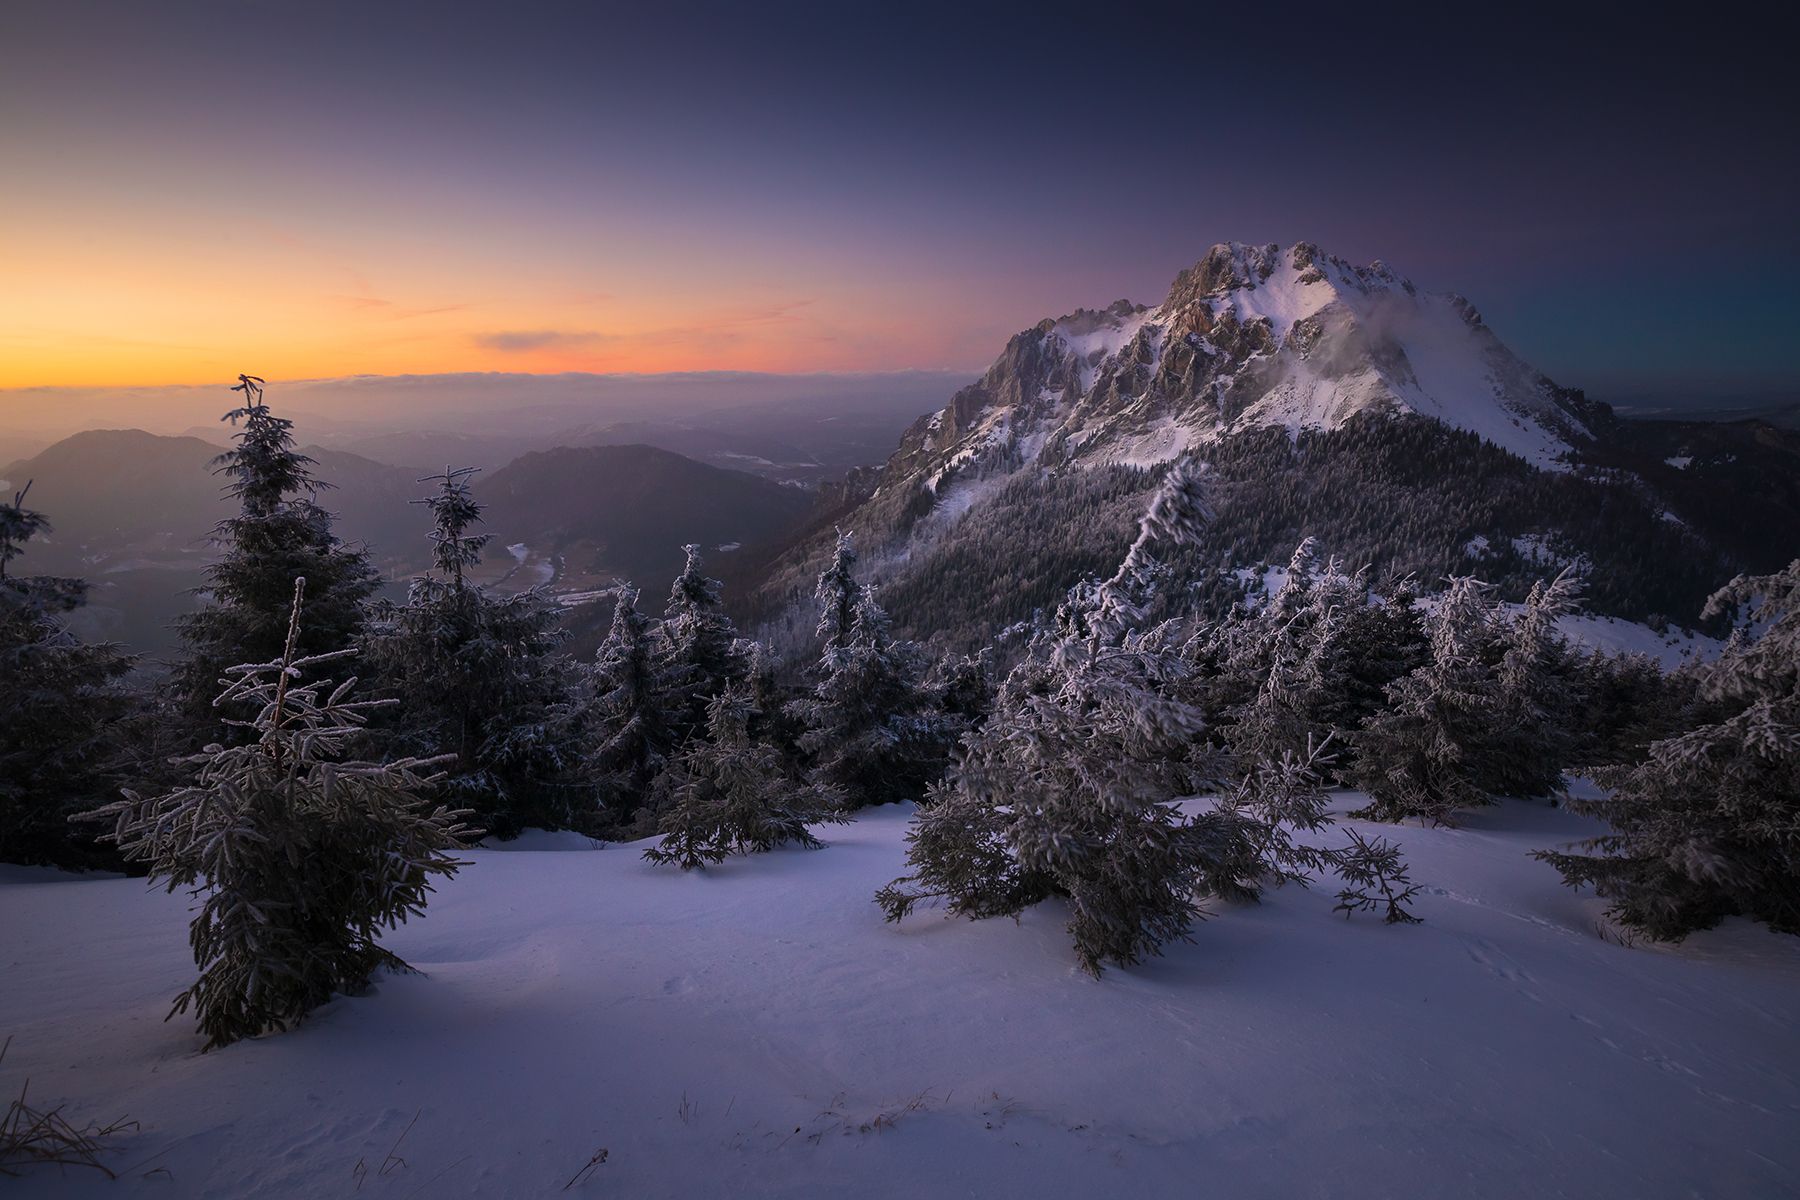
(1328, 400)
(1248, 336)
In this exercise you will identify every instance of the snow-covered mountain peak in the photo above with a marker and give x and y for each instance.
(1250, 335)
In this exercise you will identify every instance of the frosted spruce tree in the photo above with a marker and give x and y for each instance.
(1432, 750)
(1068, 789)
(769, 695)
(697, 656)
(279, 533)
(965, 686)
(1491, 713)
(479, 676)
(1629, 702)
(1281, 661)
(1541, 677)
(1072, 788)
(1379, 639)
(302, 856)
(1311, 664)
(61, 708)
(873, 732)
(1707, 824)
(631, 733)
(727, 793)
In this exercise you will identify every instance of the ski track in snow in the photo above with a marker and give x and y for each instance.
(757, 1030)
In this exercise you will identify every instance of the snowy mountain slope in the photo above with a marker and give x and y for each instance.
(757, 1030)
(1328, 400)
(1250, 335)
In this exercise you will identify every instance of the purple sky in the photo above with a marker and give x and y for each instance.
(398, 187)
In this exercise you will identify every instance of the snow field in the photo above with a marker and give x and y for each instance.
(757, 1030)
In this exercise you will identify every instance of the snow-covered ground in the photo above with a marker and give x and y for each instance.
(757, 1030)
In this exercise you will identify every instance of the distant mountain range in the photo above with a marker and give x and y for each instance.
(1328, 399)
(119, 495)
(805, 440)
(131, 512)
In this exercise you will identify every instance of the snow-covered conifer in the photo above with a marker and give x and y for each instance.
(965, 686)
(874, 733)
(280, 532)
(480, 676)
(301, 856)
(631, 733)
(1708, 824)
(1288, 658)
(1430, 751)
(1070, 788)
(1539, 677)
(1308, 665)
(1378, 641)
(727, 793)
(696, 648)
(1491, 713)
(1630, 702)
(60, 710)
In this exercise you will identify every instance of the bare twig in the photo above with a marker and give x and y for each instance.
(587, 1169)
(393, 1161)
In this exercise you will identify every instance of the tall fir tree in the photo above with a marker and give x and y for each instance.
(1380, 640)
(1541, 680)
(279, 533)
(697, 656)
(1630, 703)
(1707, 824)
(631, 732)
(1278, 661)
(1430, 752)
(303, 855)
(480, 676)
(874, 733)
(61, 708)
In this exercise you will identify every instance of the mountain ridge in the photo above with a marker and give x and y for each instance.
(1426, 436)
(1247, 336)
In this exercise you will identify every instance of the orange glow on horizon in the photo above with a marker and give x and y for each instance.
(118, 333)
(92, 297)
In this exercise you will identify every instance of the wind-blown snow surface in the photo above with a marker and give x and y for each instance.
(757, 1030)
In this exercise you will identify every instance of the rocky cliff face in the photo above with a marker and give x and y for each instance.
(1248, 336)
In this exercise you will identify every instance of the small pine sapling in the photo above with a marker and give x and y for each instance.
(1375, 880)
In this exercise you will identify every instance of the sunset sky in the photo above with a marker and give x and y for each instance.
(322, 190)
